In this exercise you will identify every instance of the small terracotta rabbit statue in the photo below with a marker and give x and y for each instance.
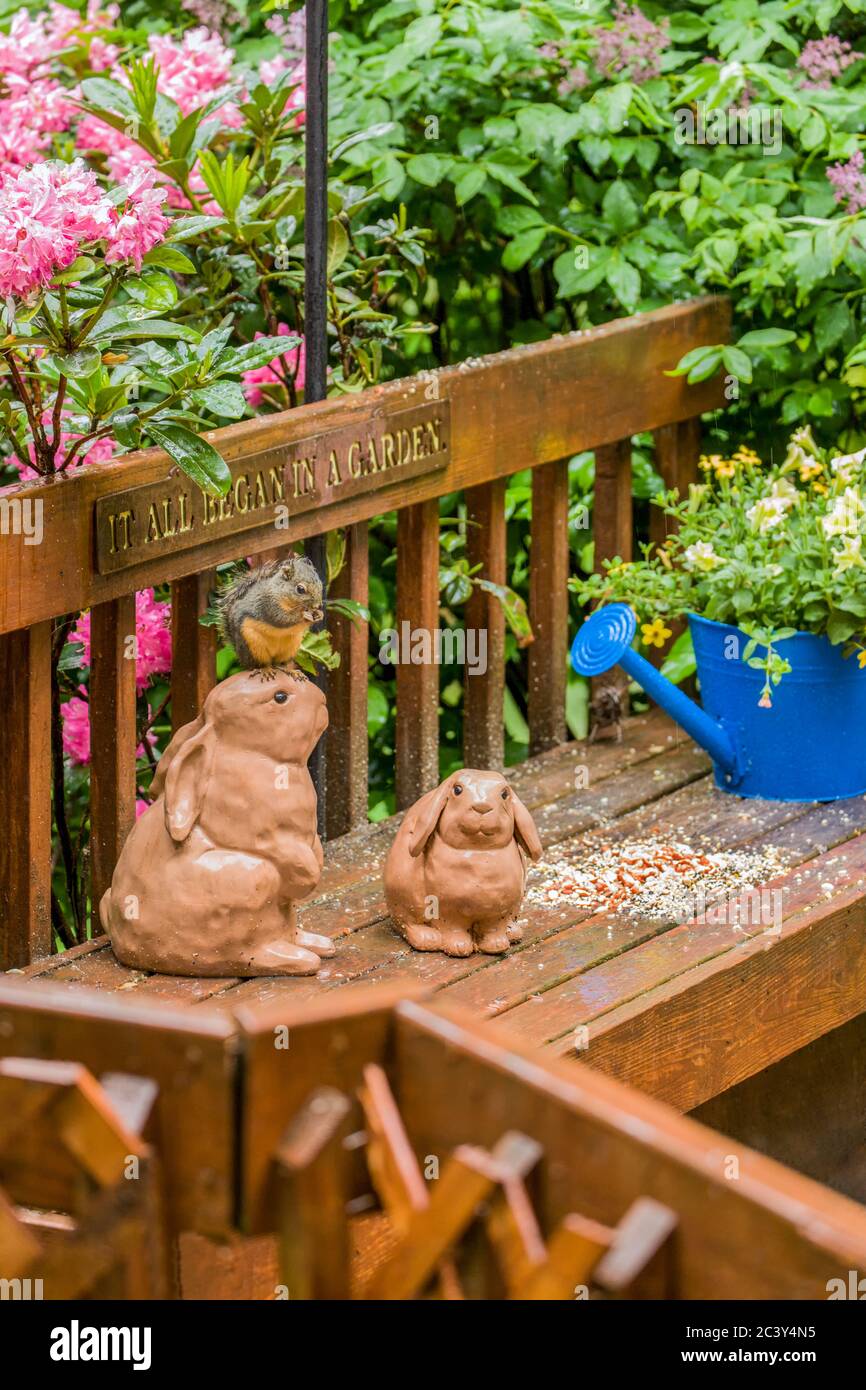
(208, 879)
(456, 872)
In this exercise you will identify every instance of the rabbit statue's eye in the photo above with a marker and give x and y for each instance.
(458, 790)
(505, 795)
(281, 697)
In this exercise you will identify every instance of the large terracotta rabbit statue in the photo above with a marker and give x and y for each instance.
(208, 879)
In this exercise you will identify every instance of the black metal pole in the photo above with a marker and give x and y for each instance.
(315, 278)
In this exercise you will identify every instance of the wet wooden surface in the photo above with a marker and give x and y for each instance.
(681, 1011)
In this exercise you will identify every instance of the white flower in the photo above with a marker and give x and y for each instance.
(783, 488)
(700, 556)
(843, 517)
(849, 556)
(802, 439)
(796, 456)
(846, 465)
(767, 513)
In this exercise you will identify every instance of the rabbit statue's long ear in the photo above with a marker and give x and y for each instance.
(425, 816)
(524, 829)
(186, 731)
(186, 782)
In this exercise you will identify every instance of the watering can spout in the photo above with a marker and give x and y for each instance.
(605, 641)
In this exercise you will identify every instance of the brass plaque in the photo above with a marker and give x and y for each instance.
(269, 489)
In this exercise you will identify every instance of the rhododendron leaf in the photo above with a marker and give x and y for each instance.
(256, 354)
(175, 169)
(226, 181)
(80, 268)
(183, 228)
(127, 429)
(170, 259)
(338, 245)
(214, 341)
(223, 398)
(145, 328)
(77, 364)
(153, 289)
(168, 114)
(198, 459)
(110, 95)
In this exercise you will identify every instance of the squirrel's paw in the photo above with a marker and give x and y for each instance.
(295, 674)
(265, 673)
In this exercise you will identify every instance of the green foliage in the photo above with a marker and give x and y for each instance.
(769, 550)
(560, 196)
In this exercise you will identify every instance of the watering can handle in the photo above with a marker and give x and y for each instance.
(605, 641)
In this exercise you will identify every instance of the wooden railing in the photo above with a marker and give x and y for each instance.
(452, 1163)
(114, 529)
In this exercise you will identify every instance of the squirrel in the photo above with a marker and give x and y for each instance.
(266, 611)
(606, 710)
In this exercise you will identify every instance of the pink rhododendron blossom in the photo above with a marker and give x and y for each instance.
(46, 213)
(274, 373)
(101, 451)
(152, 635)
(633, 46)
(75, 714)
(823, 60)
(142, 223)
(75, 718)
(31, 111)
(195, 69)
(32, 41)
(849, 182)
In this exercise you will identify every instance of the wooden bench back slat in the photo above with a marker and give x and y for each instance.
(112, 736)
(548, 606)
(193, 647)
(347, 694)
(613, 529)
(678, 448)
(417, 752)
(25, 796)
(483, 731)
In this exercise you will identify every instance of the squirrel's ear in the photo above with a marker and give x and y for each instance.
(186, 782)
(525, 831)
(425, 816)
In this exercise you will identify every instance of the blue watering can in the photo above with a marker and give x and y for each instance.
(810, 746)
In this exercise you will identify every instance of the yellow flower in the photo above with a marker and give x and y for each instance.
(720, 467)
(861, 658)
(809, 469)
(746, 456)
(655, 634)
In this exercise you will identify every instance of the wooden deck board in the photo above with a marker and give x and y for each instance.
(607, 971)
